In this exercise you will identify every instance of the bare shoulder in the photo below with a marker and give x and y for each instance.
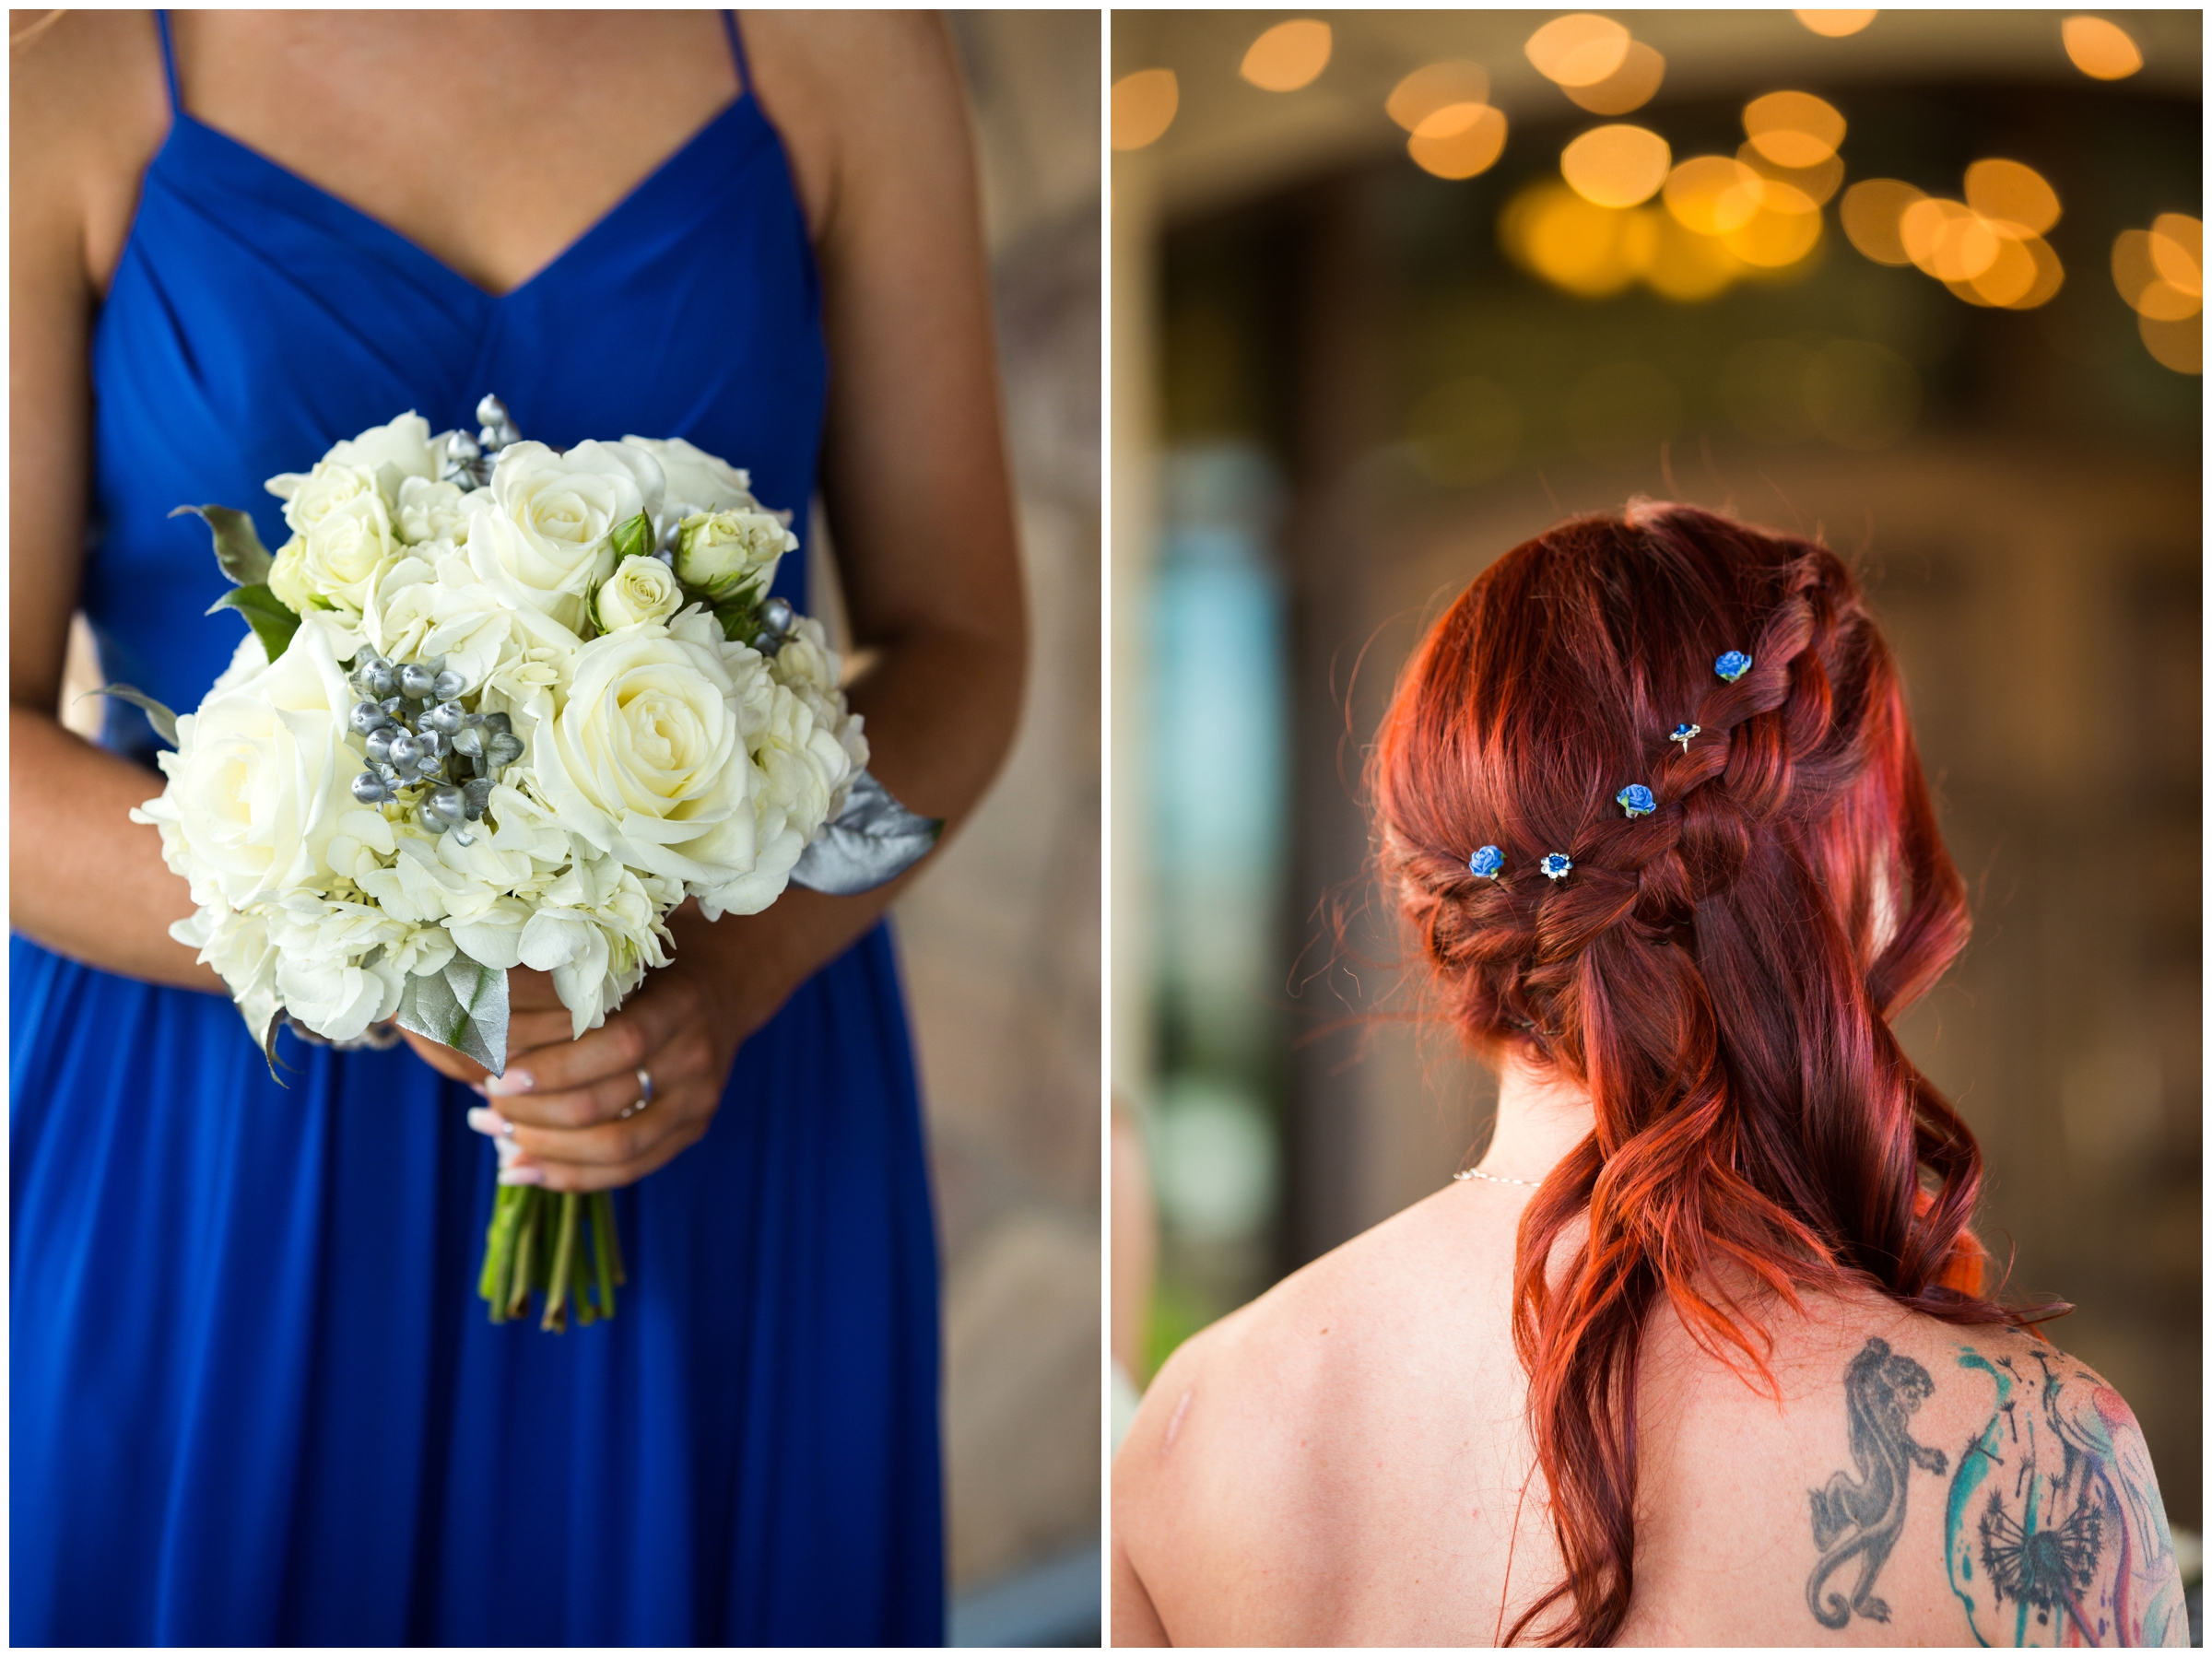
(88, 109)
(863, 99)
(1916, 1481)
(1234, 1489)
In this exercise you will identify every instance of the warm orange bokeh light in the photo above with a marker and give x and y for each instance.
(1815, 184)
(1289, 55)
(2101, 49)
(1835, 24)
(1458, 141)
(1615, 166)
(1793, 129)
(1143, 107)
(1771, 241)
(1714, 194)
(2157, 271)
(2013, 195)
(1631, 86)
(1578, 50)
(2178, 346)
(1871, 210)
(1430, 88)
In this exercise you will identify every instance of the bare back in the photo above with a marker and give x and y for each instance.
(1346, 1460)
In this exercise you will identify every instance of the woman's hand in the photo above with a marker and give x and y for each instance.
(559, 1111)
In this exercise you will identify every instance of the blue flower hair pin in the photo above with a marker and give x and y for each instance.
(1682, 733)
(1636, 800)
(1732, 666)
(1486, 863)
(1556, 865)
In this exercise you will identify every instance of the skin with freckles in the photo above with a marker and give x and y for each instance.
(560, 115)
(1346, 1460)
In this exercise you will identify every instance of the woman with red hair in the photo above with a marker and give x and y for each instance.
(1701, 1350)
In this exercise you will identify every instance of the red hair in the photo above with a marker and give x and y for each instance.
(1719, 975)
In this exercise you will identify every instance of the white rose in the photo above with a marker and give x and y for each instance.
(543, 537)
(697, 481)
(429, 510)
(331, 487)
(429, 603)
(642, 589)
(260, 777)
(337, 558)
(402, 444)
(732, 555)
(644, 756)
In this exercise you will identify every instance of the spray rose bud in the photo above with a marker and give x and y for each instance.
(642, 589)
(724, 555)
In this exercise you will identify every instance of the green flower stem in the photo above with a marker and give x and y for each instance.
(564, 1254)
(603, 1248)
(518, 1298)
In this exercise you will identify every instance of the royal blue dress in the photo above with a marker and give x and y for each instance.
(256, 1400)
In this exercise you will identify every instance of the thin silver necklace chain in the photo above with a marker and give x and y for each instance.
(1476, 1173)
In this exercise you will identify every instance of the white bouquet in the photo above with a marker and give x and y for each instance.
(505, 706)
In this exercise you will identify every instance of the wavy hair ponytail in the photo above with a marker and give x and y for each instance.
(1719, 975)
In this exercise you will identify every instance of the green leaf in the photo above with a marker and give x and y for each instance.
(237, 548)
(156, 714)
(270, 618)
(465, 1007)
(739, 624)
(632, 538)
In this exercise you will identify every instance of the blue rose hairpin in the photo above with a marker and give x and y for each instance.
(1732, 666)
(1556, 865)
(1682, 733)
(1486, 863)
(1636, 800)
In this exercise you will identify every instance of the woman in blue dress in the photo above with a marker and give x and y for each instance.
(254, 1400)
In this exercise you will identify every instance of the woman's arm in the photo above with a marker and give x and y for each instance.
(914, 479)
(84, 878)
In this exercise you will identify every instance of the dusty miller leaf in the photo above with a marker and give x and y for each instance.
(463, 1007)
(237, 548)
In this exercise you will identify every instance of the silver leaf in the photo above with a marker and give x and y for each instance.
(156, 714)
(465, 1007)
(873, 840)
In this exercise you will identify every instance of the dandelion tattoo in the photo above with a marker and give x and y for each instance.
(2054, 1533)
(1859, 1520)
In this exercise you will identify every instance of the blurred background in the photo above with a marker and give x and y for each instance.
(1000, 942)
(1393, 292)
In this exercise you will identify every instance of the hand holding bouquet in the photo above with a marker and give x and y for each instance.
(503, 706)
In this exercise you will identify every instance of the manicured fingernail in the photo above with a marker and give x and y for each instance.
(508, 1151)
(515, 1081)
(490, 1121)
(521, 1176)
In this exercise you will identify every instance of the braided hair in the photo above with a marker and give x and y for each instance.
(1719, 975)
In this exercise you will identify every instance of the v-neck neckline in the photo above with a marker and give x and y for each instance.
(184, 120)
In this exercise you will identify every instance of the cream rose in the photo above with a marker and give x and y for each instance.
(731, 555)
(337, 558)
(260, 777)
(697, 481)
(543, 537)
(402, 444)
(644, 756)
(641, 590)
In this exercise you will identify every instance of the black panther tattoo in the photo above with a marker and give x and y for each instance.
(1861, 1518)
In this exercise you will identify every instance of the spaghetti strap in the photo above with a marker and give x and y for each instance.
(729, 27)
(168, 63)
